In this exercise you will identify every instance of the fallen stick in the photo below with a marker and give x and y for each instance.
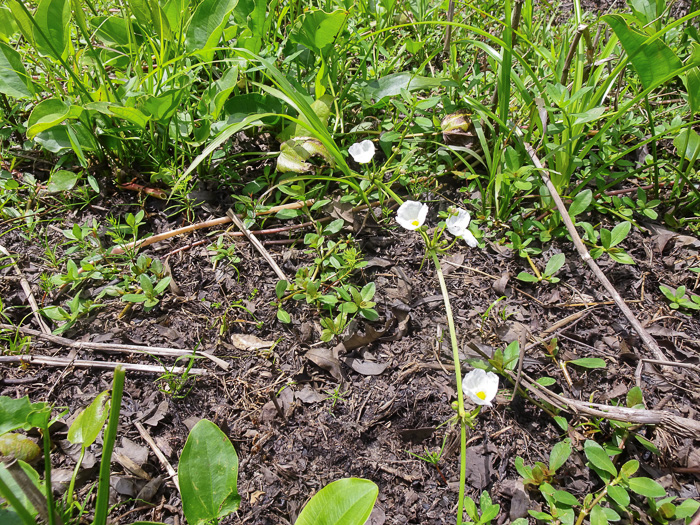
(28, 292)
(258, 246)
(159, 453)
(114, 347)
(650, 343)
(107, 365)
(685, 426)
(192, 227)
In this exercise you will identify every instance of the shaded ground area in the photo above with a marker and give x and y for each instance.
(358, 409)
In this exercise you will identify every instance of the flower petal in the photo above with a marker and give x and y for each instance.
(458, 223)
(411, 214)
(362, 152)
(470, 239)
(480, 386)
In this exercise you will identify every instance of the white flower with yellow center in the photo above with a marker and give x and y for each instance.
(480, 386)
(458, 225)
(411, 214)
(362, 152)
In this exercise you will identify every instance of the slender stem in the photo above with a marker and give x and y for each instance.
(47, 474)
(110, 436)
(460, 396)
(650, 117)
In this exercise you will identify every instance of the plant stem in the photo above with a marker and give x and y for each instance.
(47, 475)
(110, 436)
(460, 396)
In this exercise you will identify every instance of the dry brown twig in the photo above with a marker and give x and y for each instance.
(257, 245)
(113, 347)
(649, 342)
(106, 365)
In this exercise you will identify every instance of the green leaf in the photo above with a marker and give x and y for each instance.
(511, 355)
(581, 203)
(368, 291)
(14, 80)
(561, 422)
(208, 472)
(87, 426)
(647, 444)
(597, 516)
(647, 487)
(52, 31)
(619, 233)
(554, 264)
(589, 362)
(318, 30)
(283, 316)
(635, 397)
(619, 495)
(470, 507)
(334, 227)
(565, 498)
(651, 58)
(687, 508)
(689, 140)
(527, 277)
(17, 490)
(207, 25)
(62, 180)
(620, 256)
(146, 284)
(347, 501)
(280, 288)
(629, 468)
(598, 457)
(391, 85)
(49, 113)
(560, 453)
(546, 381)
(17, 413)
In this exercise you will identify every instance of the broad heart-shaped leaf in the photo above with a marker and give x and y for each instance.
(690, 140)
(52, 31)
(207, 25)
(347, 501)
(208, 472)
(50, 113)
(317, 29)
(14, 80)
(652, 59)
(62, 180)
(86, 427)
(391, 85)
(16, 413)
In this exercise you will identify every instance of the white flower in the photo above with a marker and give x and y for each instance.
(362, 152)
(480, 386)
(411, 214)
(458, 225)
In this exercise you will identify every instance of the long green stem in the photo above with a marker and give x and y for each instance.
(47, 475)
(110, 436)
(460, 396)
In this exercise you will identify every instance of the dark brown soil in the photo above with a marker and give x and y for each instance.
(395, 392)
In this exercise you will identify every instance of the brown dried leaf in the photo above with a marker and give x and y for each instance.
(327, 359)
(249, 342)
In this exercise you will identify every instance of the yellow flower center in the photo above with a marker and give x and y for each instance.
(481, 395)
(415, 223)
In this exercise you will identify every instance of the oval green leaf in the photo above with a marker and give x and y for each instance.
(48, 114)
(589, 362)
(647, 487)
(86, 427)
(344, 502)
(208, 493)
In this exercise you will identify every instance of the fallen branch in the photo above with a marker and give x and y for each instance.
(192, 227)
(107, 365)
(257, 245)
(159, 453)
(113, 347)
(683, 425)
(650, 343)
